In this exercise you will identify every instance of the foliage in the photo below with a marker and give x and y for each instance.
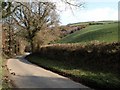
(45, 37)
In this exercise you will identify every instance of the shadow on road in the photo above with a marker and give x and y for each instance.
(47, 83)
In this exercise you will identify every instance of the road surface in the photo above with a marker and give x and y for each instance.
(28, 75)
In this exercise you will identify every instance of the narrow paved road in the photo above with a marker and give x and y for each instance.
(28, 75)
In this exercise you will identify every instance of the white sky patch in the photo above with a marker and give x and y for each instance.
(97, 14)
(64, 6)
(101, 0)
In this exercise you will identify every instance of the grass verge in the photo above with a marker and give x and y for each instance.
(5, 81)
(92, 78)
(0, 73)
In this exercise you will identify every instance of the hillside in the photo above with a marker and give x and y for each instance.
(107, 32)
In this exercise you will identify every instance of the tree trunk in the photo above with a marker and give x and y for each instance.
(31, 45)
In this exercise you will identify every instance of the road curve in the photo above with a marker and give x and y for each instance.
(28, 75)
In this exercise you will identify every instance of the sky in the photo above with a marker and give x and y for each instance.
(93, 10)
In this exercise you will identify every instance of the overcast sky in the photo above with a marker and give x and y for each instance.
(94, 10)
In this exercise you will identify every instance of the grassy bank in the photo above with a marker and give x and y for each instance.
(87, 77)
(95, 65)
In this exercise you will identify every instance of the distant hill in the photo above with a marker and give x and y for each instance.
(105, 32)
(85, 23)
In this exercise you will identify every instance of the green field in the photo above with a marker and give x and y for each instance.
(103, 33)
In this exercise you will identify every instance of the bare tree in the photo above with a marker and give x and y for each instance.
(9, 45)
(33, 17)
(30, 18)
(7, 8)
